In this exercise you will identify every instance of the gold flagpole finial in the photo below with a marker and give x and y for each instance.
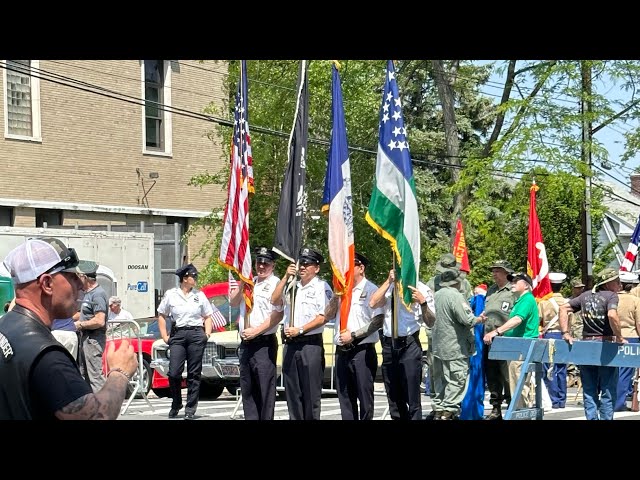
(337, 64)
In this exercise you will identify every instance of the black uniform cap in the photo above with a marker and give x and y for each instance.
(359, 258)
(266, 254)
(184, 270)
(308, 255)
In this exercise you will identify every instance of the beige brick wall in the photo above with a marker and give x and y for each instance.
(24, 217)
(92, 144)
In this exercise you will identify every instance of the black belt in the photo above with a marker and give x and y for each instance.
(188, 328)
(402, 341)
(261, 339)
(305, 338)
(352, 347)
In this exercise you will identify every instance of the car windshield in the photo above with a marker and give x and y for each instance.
(221, 302)
(148, 328)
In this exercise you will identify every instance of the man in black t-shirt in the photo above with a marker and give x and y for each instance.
(599, 308)
(39, 378)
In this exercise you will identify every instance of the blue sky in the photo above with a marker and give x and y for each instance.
(611, 136)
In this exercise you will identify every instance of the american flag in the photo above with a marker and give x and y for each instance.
(632, 250)
(219, 321)
(235, 253)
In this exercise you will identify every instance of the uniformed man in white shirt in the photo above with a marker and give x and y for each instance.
(303, 354)
(402, 356)
(356, 357)
(259, 345)
(192, 325)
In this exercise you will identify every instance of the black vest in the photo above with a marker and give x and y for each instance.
(23, 338)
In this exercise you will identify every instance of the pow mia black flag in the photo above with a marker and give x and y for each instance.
(292, 198)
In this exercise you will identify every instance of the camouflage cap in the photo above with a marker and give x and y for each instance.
(446, 262)
(503, 264)
(576, 282)
(450, 277)
(606, 275)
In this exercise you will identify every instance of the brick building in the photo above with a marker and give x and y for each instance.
(79, 148)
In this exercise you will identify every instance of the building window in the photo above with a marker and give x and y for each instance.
(52, 218)
(22, 100)
(6, 217)
(156, 80)
(184, 223)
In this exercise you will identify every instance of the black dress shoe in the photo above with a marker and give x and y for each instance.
(189, 416)
(173, 413)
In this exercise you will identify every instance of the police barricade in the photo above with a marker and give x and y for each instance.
(533, 352)
(130, 330)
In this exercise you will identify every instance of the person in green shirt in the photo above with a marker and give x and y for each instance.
(523, 322)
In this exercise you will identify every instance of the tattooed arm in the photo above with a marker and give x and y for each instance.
(105, 404)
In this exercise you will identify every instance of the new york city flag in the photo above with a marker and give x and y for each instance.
(336, 201)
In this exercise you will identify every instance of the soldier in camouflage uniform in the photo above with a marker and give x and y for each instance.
(498, 305)
(446, 262)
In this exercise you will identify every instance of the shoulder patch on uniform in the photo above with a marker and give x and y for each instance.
(328, 293)
(5, 346)
(505, 306)
(467, 308)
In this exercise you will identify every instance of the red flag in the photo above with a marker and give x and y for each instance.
(235, 253)
(460, 248)
(537, 264)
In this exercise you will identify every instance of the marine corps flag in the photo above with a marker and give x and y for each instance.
(460, 249)
(537, 264)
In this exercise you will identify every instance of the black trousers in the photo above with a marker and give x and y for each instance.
(303, 371)
(258, 377)
(355, 372)
(402, 372)
(497, 374)
(186, 345)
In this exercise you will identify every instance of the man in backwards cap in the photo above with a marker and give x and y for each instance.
(599, 309)
(303, 354)
(39, 378)
(259, 345)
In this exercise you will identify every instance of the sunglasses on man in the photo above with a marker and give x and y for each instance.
(69, 260)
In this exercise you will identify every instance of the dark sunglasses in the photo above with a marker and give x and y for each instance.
(306, 264)
(192, 275)
(69, 260)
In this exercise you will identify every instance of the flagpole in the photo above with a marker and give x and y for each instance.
(396, 300)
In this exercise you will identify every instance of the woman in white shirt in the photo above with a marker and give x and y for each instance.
(192, 324)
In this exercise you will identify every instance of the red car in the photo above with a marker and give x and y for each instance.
(218, 295)
(149, 333)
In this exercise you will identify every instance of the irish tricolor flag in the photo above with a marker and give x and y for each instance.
(393, 210)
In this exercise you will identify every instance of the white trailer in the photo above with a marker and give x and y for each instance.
(125, 259)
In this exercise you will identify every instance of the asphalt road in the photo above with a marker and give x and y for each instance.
(226, 407)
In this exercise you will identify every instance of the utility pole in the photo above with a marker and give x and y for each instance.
(587, 249)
